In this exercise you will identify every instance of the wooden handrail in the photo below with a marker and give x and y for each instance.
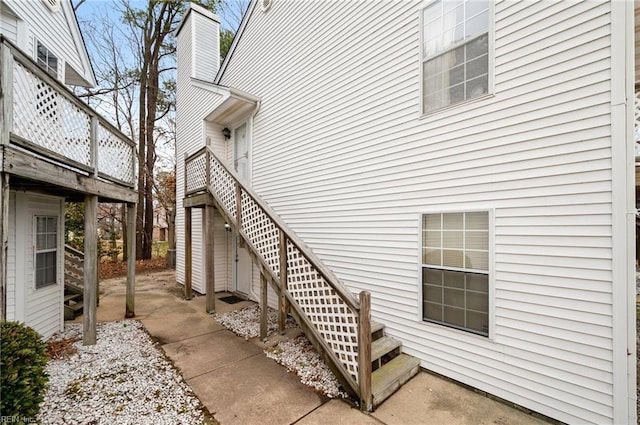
(360, 386)
(327, 274)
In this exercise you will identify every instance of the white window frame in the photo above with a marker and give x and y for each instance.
(37, 251)
(45, 66)
(490, 281)
(491, 61)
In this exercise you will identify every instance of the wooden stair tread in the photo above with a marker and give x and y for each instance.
(75, 307)
(387, 379)
(382, 346)
(71, 297)
(376, 326)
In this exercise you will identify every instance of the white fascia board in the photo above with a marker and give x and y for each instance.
(87, 73)
(236, 38)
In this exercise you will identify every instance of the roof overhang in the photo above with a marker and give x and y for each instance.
(236, 106)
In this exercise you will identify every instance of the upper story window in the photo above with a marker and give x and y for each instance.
(455, 52)
(47, 60)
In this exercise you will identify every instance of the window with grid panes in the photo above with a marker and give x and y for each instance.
(47, 60)
(455, 43)
(455, 270)
(46, 251)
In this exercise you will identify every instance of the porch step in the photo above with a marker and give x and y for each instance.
(385, 346)
(387, 379)
(377, 330)
(72, 311)
(71, 297)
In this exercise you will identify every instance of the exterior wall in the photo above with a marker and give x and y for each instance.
(8, 24)
(42, 308)
(52, 29)
(12, 307)
(341, 152)
(194, 102)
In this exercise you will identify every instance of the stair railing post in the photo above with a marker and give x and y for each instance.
(239, 241)
(282, 300)
(364, 352)
(207, 164)
(263, 305)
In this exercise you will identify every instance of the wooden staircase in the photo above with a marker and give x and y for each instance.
(73, 282)
(390, 367)
(369, 364)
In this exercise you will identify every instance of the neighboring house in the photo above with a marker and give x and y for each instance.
(469, 164)
(53, 149)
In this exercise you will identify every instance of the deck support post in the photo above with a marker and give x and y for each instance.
(4, 241)
(364, 352)
(263, 305)
(90, 269)
(188, 275)
(282, 300)
(209, 259)
(131, 260)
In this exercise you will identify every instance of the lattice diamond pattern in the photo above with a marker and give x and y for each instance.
(334, 319)
(224, 186)
(115, 156)
(196, 173)
(48, 119)
(262, 232)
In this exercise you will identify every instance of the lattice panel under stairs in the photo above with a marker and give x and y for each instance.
(196, 174)
(224, 185)
(48, 119)
(332, 317)
(115, 156)
(262, 232)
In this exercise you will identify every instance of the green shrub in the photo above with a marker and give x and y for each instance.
(22, 370)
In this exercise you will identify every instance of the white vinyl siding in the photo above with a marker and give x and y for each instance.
(40, 308)
(9, 25)
(53, 30)
(12, 300)
(339, 151)
(194, 103)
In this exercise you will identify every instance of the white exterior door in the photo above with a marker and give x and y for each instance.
(242, 260)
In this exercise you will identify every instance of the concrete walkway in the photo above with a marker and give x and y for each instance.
(240, 385)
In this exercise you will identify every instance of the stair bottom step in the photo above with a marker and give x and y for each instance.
(387, 379)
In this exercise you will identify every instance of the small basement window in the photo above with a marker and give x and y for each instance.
(455, 270)
(46, 251)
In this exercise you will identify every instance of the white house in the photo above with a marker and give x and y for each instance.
(53, 148)
(469, 164)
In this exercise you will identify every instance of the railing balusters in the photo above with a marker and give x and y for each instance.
(338, 321)
(41, 114)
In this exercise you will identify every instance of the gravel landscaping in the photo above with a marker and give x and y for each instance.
(297, 355)
(123, 379)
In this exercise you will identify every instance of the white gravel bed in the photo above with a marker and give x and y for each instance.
(123, 379)
(246, 322)
(297, 355)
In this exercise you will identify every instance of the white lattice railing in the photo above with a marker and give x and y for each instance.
(49, 119)
(339, 322)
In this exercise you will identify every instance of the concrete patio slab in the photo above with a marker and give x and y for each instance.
(430, 400)
(209, 352)
(336, 412)
(181, 328)
(255, 390)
